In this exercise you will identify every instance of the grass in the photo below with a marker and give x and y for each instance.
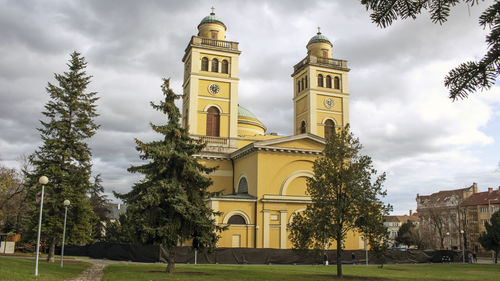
(20, 269)
(291, 273)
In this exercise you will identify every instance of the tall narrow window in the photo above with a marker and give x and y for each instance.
(306, 82)
(213, 34)
(225, 67)
(303, 84)
(204, 64)
(298, 86)
(325, 53)
(303, 127)
(215, 65)
(336, 82)
(328, 81)
(213, 121)
(320, 80)
(329, 128)
(243, 186)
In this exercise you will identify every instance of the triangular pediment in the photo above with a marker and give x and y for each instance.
(303, 141)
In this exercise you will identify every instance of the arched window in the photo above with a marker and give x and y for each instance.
(215, 65)
(236, 219)
(306, 82)
(320, 80)
(243, 186)
(303, 127)
(325, 53)
(225, 67)
(336, 82)
(213, 121)
(329, 128)
(204, 64)
(328, 81)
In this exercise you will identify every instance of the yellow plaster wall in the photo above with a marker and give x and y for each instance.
(222, 177)
(296, 187)
(205, 29)
(275, 168)
(274, 239)
(320, 103)
(247, 165)
(247, 233)
(224, 89)
(317, 47)
(222, 104)
(301, 105)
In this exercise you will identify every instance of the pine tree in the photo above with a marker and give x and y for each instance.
(490, 240)
(65, 158)
(99, 201)
(468, 77)
(167, 207)
(344, 198)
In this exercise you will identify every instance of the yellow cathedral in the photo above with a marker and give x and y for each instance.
(261, 177)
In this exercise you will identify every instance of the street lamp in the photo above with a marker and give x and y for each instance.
(463, 246)
(449, 240)
(366, 249)
(66, 204)
(43, 180)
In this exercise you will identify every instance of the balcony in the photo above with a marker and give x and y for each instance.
(321, 61)
(217, 144)
(213, 43)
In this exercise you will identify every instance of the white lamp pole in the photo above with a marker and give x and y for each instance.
(463, 246)
(66, 204)
(448, 238)
(43, 180)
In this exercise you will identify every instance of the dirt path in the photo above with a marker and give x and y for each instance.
(93, 273)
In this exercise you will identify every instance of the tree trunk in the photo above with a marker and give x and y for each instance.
(171, 261)
(52, 249)
(339, 258)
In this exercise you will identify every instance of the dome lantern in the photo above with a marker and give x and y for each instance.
(319, 45)
(212, 27)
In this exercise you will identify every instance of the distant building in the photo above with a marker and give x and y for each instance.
(476, 210)
(439, 216)
(115, 210)
(393, 223)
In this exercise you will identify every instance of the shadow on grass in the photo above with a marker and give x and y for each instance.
(345, 277)
(183, 273)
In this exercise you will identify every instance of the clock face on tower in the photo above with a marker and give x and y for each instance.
(328, 103)
(213, 89)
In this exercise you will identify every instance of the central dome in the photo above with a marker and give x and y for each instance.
(248, 124)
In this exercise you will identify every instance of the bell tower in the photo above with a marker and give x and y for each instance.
(210, 87)
(321, 94)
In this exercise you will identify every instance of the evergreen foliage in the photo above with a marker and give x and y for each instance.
(65, 158)
(490, 240)
(99, 201)
(468, 77)
(344, 198)
(168, 206)
(405, 234)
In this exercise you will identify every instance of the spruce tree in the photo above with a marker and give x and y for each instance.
(65, 158)
(168, 206)
(344, 199)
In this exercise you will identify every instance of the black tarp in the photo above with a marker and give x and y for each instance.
(155, 253)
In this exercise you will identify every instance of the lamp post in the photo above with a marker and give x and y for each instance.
(43, 180)
(366, 249)
(463, 246)
(66, 204)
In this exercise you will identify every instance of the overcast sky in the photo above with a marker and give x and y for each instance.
(398, 105)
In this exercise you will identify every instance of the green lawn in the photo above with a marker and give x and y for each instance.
(19, 269)
(291, 273)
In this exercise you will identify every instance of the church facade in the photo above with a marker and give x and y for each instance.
(261, 177)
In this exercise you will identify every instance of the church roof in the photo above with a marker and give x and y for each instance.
(212, 19)
(244, 113)
(319, 38)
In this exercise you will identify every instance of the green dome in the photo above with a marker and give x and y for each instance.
(319, 38)
(212, 19)
(245, 113)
